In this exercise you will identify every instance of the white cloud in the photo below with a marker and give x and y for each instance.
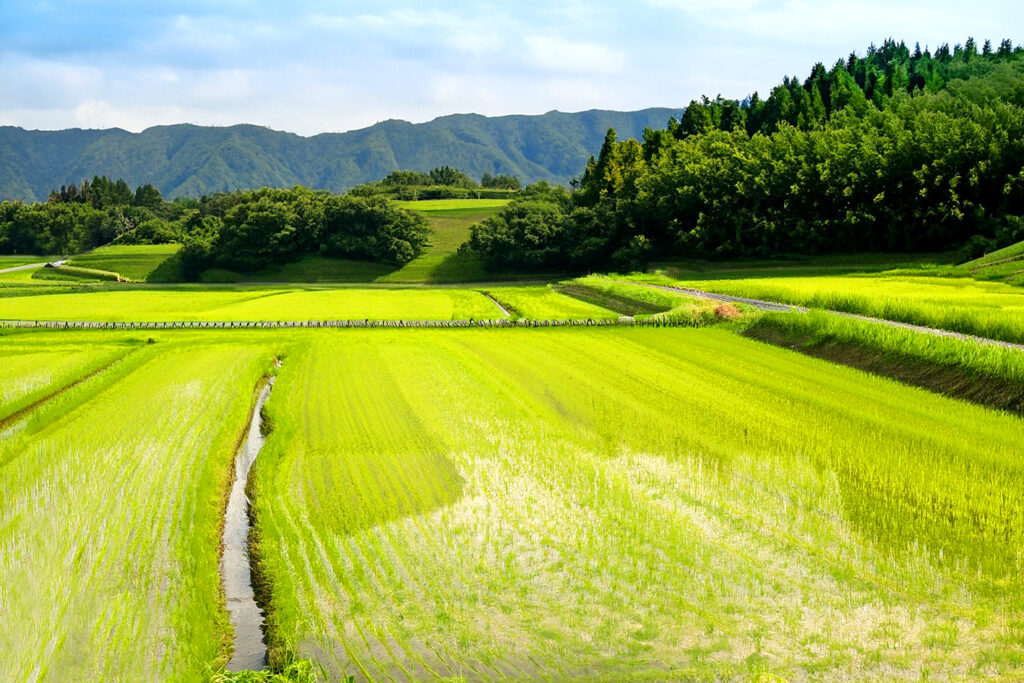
(837, 24)
(707, 5)
(562, 55)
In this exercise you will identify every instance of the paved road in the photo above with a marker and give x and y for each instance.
(27, 266)
(763, 305)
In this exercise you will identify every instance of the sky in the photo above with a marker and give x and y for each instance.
(312, 67)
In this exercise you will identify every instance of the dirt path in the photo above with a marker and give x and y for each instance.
(501, 307)
(249, 652)
(763, 305)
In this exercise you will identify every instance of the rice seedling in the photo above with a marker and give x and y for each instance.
(986, 309)
(986, 374)
(31, 373)
(109, 528)
(149, 305)
(630, 504)
(543, 302)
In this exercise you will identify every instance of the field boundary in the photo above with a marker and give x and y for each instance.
(774, 306)
(333, 324)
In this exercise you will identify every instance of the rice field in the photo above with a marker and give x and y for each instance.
(986, 309)
(32, 373)
(631, 504)
(228, 304)
(543, 302)
(134, 262)
(109, 529)
(478, 504)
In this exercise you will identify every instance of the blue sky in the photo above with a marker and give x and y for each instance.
(313, 67)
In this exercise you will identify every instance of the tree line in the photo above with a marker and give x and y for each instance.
(243, 231)
(80, 217)
(252, 230)
(443, 182)
(899, 150)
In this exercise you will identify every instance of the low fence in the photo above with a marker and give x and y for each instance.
(289, 324)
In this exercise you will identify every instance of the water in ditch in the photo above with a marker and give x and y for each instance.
(250, 652)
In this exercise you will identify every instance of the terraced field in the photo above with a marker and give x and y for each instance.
(152, 305)
(132, 262)
(985, 309)
(542, 302)
(109, 526)
(631, 504)
(607, 504)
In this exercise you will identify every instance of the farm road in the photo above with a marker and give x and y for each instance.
(27, 266)
(763, 305)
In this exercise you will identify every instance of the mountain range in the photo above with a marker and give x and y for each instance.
(188, 160)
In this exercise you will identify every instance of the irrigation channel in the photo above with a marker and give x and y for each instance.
(250, 652)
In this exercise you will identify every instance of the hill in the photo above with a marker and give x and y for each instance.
(187, 160)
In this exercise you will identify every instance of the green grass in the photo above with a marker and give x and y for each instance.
(110, 526)
(22, 277)
(311, 269)
(987, 374)
(440, 262)
(828, 264)
(639, 301)
(15, 260)
(631, 504)
(34, 372)
(471, 206)
(154, 305)
(77, 274)
(136, 262)
(1014, 251)
(986, 309)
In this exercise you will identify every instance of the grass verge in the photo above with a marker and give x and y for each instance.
(988, 375)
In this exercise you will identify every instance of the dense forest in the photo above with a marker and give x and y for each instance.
(899, 150)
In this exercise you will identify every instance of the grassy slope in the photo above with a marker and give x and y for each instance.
(450, 220)
(453, 205)
(987, 309)
(134, 262)
(15, 260)
(543, 302)
(986, 374)
(630, 504)
(109, 532)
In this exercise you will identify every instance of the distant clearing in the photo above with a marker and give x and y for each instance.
(469, 205)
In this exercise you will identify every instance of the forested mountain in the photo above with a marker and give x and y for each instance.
(187, 160)
(897, 150)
